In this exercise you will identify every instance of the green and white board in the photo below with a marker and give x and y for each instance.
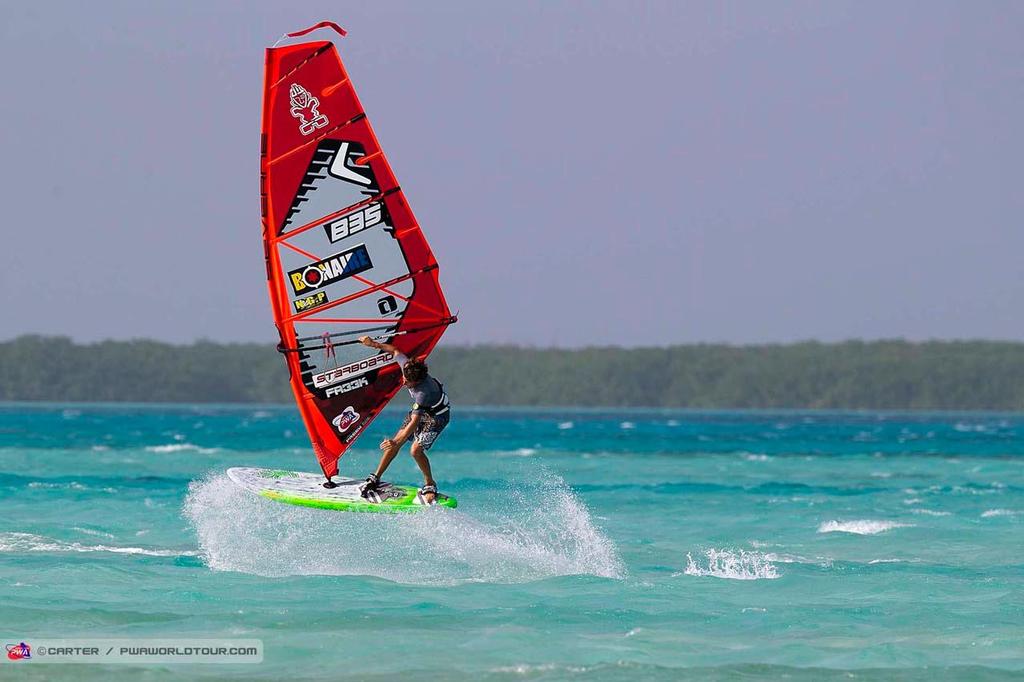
(306, 490)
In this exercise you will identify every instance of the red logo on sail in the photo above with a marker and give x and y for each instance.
(306, 108)
(18, 652)
(346, 419)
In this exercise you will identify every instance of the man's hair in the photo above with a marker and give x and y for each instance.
(415, 370)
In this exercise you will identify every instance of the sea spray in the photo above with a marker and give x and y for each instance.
(535, 530)
(732, 564)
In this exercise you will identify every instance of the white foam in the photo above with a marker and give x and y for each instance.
(94, 533)
(73, 485)
(538, 529)
(732, 565)
(627, 425)
(563, 426)
(27, 542)
(181, 447)
(860, 527)
(930, 512)
(964, 427)
(824, 562)
(752, 457)
(1000, 512)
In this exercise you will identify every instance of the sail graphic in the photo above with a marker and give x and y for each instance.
(345, 256)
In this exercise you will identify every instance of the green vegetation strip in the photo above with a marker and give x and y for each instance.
(936, 375)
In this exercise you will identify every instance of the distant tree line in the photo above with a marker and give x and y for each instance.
(852, 374)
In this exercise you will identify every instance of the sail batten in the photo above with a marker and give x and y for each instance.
(345, 255)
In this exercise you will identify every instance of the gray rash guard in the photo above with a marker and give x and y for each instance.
(428, 396)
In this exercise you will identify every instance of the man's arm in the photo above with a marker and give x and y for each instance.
(367, 341)
(403, 434)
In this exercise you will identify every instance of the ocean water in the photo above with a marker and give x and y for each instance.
(654, 545)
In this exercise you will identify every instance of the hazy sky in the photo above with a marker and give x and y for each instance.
(587, 173)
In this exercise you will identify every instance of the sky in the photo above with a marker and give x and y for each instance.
(587, 173)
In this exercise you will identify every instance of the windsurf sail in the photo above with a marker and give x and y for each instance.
(345, 256)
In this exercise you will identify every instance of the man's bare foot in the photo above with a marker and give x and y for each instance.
(429, 493)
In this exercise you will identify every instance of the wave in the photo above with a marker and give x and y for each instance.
(28, 542)
(519, 452)
(823, 562)
(861, 527)
(755, 457)
(1000, 512)
(538, 529)
(732, 565)
(71, 485)
(181, 447)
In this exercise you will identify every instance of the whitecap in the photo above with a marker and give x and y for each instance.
(73, 485)
(27, 542)
(824, 562)
(1000, 512)
(95, 533)
(181, 447)
(563, 426)
(929, 512)
(860, 527)
(627, 425)
(752, 457)
(732, 565)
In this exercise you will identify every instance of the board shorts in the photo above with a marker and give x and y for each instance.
(428, 429)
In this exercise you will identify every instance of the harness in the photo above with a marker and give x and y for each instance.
(441, 406)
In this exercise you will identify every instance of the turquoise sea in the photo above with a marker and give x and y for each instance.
(604, 545)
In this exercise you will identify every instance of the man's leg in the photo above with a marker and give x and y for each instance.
(420, 455)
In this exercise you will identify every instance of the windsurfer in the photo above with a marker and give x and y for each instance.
(424, 423)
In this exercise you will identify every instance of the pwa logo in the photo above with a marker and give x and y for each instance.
(346, 419)
(19, 652)
(306, 108)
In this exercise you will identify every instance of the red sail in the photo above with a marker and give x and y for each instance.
(345, 256)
